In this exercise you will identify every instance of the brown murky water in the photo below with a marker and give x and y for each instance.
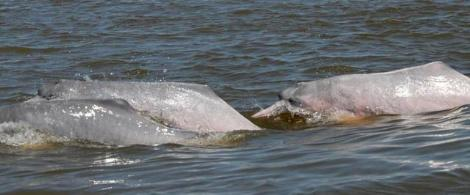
(247, 51)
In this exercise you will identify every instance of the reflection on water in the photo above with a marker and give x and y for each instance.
(247, 51)
(110, 159)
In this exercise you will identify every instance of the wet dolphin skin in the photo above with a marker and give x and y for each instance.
(110, 122)
(430, 87)
(186, 106)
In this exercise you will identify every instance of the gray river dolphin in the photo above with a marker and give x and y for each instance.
(430, 87)
(186, 106)
(110, 122)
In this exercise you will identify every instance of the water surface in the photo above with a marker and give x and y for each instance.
(247, 51)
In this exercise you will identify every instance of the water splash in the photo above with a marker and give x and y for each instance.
(22, 134)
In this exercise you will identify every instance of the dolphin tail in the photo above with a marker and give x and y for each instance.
(273, 110)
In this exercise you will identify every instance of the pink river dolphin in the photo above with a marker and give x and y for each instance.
(185, 106)
(430, 87)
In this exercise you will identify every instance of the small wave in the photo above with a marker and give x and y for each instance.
(16, 98)
(464, 55)
(209, 29)
(111, 159)
(26, 50)
(230, 139)
(384, 22)
(432, 35)
(137, 73)
(141, 21)
(208, 55)
(243, 12)
(101, 63)
(335, 69)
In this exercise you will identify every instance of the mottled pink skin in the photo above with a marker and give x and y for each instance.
(430, 87)
(185, 106)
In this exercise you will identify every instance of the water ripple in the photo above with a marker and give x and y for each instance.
(247, 51)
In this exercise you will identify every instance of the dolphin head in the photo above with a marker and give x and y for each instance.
(291, 100)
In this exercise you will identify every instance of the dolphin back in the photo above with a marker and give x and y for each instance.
(430, 87)
(181, 105)
(110, 122)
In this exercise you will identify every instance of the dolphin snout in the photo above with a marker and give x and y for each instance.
(273, 110)
(286, 97)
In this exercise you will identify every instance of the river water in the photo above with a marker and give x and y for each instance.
(247, 51)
